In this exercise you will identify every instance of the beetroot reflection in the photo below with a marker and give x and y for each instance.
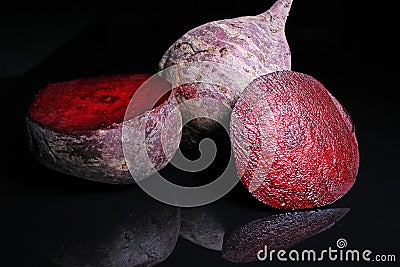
(118, 229)
(277, 232)
(202, 227)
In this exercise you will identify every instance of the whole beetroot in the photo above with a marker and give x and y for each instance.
(294, 144)
(250, 46)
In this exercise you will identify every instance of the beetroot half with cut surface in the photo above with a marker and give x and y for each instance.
(75, 127)
(294, 144)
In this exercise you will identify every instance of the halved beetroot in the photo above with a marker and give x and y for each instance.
(76, 126)
(294, 144)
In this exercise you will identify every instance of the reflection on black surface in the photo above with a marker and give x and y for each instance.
(126, 228)
(202, 227)
(277, 232)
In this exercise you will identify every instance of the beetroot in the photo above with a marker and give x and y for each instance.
(294, 144)
(251, 46)
(76, 126)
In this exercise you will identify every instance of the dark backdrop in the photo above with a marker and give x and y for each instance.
(348, 45)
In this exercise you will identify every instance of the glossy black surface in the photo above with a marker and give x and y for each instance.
(345, 45)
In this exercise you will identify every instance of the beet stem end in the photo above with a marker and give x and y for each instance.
(280, 10)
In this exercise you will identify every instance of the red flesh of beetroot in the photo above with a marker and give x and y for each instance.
(294, 141)
(93, 103)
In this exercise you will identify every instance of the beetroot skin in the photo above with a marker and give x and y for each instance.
(294, 144)
(253, 45)
(75, 127)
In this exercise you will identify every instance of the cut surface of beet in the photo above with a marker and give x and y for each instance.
(93, 103)
(294, 145)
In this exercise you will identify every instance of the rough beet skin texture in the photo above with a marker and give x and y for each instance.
(75, 127)
(294, 144)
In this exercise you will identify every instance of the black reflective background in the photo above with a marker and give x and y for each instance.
(48, 217)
